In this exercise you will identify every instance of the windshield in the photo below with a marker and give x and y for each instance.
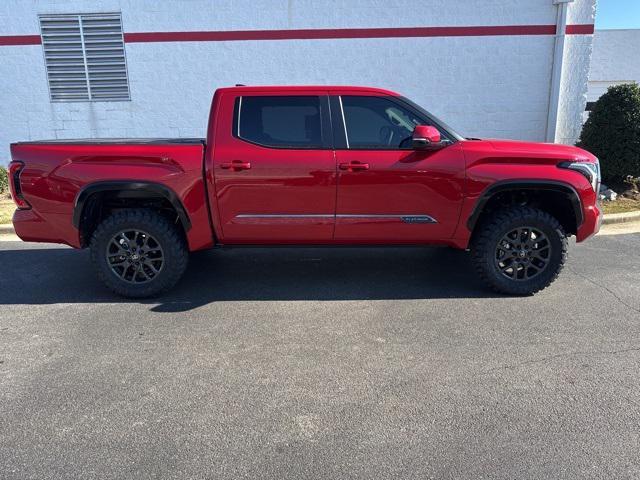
(434, 119)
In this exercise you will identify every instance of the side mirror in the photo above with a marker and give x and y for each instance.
(426, 137)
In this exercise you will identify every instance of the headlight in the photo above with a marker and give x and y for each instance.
(591, 171)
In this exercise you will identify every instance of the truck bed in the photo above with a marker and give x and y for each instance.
(112, 141)
(57, 171)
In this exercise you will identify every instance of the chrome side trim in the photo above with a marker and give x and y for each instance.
(418, 219)
(239, 113)
(344, 123)
(278, 215)
(403, 218)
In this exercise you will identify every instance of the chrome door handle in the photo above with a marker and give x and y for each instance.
(236, 165)
(354, 166)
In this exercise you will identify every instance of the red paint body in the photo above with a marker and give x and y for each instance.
(235, 192)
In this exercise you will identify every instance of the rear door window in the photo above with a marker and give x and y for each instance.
(279, 121)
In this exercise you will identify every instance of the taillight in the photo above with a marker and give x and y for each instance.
(15, 168)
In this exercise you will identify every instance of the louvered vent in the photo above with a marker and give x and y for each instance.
(85, 58)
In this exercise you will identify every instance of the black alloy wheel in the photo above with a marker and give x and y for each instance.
(523, 253)
(139, 252)
(519, 250)
(135, 256)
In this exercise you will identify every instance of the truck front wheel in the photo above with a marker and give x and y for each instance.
(519, 250)
(138, 253)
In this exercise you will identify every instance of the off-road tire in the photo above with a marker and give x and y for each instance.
(492, 231)
(174, 251)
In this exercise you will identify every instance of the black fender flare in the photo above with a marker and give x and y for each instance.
(513, 185)
(129, 189)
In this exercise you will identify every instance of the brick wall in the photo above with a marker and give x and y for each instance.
(487, 86)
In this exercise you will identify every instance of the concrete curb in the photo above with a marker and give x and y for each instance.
(7, 228)
(621, 217)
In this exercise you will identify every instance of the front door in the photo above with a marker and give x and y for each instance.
(388, 192)
(275, 171)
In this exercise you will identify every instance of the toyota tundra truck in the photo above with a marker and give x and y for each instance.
(313, 165)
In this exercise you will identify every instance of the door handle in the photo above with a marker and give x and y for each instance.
(236, 165)
(354, 166)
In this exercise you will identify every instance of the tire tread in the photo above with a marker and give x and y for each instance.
(483, 248)
(176, 252)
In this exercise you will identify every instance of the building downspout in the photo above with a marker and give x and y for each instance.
(556, 70)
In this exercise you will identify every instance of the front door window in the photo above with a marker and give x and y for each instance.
(378, 123)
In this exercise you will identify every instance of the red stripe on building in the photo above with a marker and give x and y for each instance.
(20, 40)
(585, 29)
(326, 33)
(339, 33)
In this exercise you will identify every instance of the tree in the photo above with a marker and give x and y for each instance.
(612, 132)
(4, 180)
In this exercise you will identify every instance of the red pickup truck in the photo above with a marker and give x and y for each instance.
(307, 166)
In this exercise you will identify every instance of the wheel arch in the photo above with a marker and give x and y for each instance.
(87, 205)
(550, 195)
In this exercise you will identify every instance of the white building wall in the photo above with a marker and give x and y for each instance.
(615, 60)
(573, 87)
(486, 86)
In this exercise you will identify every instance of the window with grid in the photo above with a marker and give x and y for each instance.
(85, 58)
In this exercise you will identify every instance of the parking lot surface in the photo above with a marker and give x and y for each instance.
(320, 363)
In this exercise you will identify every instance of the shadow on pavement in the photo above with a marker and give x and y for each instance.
(61, 275)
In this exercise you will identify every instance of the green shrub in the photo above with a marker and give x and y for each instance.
(4, 180)
(612, 132)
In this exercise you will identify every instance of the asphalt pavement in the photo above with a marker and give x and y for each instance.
(321, 363)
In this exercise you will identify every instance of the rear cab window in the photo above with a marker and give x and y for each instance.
(280, 121)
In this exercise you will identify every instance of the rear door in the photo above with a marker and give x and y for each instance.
(275, 170)
(388, 192)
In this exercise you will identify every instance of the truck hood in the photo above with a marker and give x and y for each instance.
(556, 150)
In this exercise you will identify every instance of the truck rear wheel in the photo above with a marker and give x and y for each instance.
(520, 250)
(138, 253)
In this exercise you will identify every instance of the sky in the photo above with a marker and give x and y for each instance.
(618, 14)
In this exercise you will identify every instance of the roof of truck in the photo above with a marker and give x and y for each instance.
(305, 88)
